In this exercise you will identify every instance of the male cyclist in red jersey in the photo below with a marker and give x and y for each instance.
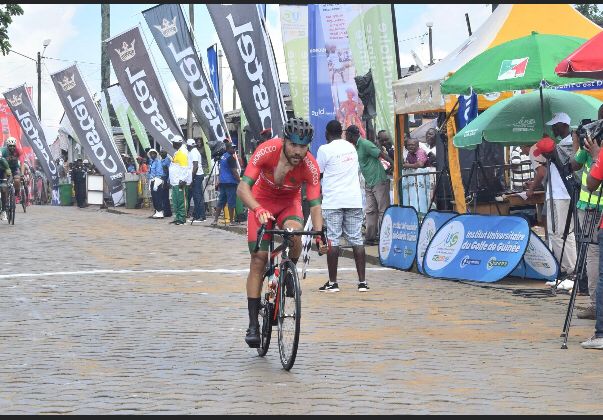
(271, 190)
(12, 154)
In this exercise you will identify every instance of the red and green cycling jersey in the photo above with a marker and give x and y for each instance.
(259, 174)
(13, 159)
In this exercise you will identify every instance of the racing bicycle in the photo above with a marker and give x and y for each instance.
(281, 295)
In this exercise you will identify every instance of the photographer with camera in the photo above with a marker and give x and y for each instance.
(587, 150)
(229, 180)
(559, 190)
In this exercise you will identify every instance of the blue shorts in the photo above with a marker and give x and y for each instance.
(228, 194)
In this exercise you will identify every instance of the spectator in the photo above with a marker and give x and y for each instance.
(341, 203)
(130, 167)
(179, 178)
(430, 147)
(377, 183)
(196, 167)
(229, 180)
(78, 175)
(155, 181)
(384, 141)
(558, 205)
(265, 134)
(521, 167)
(146, 157)
(143, 168)
(166, 160)
(593, 183)
(416, 157)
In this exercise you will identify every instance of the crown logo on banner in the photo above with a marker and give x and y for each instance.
(127, 51)
(16, 100)
(67, 83)
(168, 29)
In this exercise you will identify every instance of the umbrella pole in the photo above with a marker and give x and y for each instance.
(542, 109)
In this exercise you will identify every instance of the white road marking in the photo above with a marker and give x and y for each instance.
(165, 271)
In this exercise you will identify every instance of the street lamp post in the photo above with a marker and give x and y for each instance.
(39, 69)
(429, 25)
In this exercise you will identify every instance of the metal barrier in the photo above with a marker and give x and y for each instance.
(417, 189)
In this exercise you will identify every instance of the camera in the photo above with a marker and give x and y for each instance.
(581, 131)
(217, 149)
(594, 129)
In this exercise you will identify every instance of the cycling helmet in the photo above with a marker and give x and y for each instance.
(299, 131)
(11, 141)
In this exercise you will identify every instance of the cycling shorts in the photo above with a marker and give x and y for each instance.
(282, 210)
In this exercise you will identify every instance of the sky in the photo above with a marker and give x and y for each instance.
(75, 34)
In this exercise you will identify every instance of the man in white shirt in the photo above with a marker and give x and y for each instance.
(341, 202)
(558, 205)
(196, 188)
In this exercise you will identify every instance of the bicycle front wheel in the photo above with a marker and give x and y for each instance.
(265, 315)
(289, 314)
(12, 206)
(23, 200)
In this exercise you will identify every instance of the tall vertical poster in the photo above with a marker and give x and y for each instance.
(89, 127)
(214, 71)
(21, 106)
(120, 105)
(333, 92)
(175, 42)
(139, 82)
(9, 127)
(249, 53)
(372, 41)
(294, 28)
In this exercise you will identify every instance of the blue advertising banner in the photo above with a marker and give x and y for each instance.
(320, 95)
(212, 62)
(478, 248)
(467, 109)
(398, 238)
(432, 222)
(538, 262)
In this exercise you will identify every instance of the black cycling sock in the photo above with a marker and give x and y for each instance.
(253, 306)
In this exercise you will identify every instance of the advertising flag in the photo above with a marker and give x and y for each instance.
(137, 77)
(22, 108)
(90, 128)
(214, 72)
(294, 28)
(175, 42)
(120, 105)
(249, 53)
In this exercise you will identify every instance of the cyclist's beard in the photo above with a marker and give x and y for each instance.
(294, 158)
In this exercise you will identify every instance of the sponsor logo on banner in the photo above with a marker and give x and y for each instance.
(513, 69)
(524, 124)
(21, 106)
(169, 30)
(539, 262)
(140, 85)
(432, 221)
(492, 246)
(247, 47)
(385, 237)
(88, 126)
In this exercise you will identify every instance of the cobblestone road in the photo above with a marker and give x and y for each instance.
(100, 342)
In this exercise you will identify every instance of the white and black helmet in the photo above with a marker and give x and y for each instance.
(11, 141)
(299, 131)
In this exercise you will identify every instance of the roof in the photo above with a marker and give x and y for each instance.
(420, 92)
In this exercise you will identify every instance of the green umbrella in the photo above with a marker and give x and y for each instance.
(518, 120)
(522, 63)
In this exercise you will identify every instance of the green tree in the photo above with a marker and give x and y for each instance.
(591, 11)
(7, 11)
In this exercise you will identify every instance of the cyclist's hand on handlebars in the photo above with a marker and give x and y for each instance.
(262, 215)
(322, 247)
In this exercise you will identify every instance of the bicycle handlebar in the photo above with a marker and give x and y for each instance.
(283, 232)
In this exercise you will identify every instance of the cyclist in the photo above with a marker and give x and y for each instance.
(271, 191)
(5, 173)
(13, 154)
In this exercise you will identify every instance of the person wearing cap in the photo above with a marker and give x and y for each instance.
(155, 180)
(376, 181)
(228, 182)
(197, 175)
(179, 178)
(166, 161)
(558, 198)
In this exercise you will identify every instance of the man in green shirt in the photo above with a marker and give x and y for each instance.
(5, 173)
(376, 182)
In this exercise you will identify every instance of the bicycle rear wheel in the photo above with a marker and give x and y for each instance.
(289, 314)
(265, 319)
